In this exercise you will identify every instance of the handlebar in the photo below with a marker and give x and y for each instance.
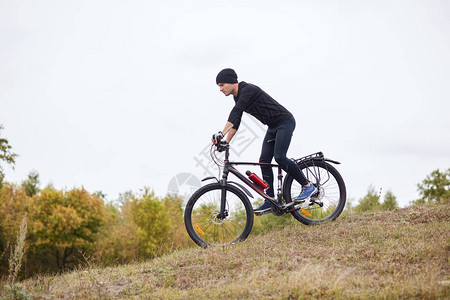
(222, 146)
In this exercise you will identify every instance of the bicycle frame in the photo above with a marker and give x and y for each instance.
(228, 168)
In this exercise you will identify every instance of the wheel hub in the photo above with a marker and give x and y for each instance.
(320, 194)
(215, 217)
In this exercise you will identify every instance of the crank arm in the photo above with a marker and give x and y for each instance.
(292, 206)
(262, 213)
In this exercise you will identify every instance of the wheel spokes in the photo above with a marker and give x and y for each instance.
(218, 231)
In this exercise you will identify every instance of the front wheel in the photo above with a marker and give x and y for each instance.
(202, 216)
(328, 203)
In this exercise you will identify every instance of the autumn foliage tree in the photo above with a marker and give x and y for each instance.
(117, 242)
(178, 235)
(64, 223)
(153, 225)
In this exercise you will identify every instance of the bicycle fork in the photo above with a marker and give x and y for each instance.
(223, 195)
(223, 199)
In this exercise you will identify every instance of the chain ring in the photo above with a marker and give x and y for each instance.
(276, 211)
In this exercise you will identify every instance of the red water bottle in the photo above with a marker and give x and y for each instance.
(262, 184)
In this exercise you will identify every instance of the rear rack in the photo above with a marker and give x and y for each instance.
(315, 156)
(313, 171)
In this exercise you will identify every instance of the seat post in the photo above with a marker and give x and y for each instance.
(280, 182)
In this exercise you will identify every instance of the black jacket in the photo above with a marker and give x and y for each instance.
(259, 104)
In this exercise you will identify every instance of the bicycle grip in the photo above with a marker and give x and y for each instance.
(217, 137)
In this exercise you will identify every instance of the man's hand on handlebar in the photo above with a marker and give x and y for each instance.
(218, 142)
(217, 138)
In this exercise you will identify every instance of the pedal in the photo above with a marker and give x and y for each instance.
(263, 213)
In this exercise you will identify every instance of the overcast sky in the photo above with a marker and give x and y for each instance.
(118, 95)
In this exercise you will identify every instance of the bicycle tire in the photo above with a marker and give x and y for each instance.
(202, 224)
(331, 192)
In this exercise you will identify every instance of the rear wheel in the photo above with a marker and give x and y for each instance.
(204, 224)
(328, 203)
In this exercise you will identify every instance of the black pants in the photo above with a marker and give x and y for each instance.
(275, 145)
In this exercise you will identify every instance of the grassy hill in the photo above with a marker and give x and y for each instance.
(401, 254)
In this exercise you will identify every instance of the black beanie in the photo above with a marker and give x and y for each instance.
(226, 76)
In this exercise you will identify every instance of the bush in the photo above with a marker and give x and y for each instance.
(371, 202)
(435, 187)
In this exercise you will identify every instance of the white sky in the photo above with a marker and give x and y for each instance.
(118, 95)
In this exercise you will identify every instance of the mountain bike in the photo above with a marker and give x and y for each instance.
(220, 213)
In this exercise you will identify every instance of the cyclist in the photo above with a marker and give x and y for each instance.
(280, 122)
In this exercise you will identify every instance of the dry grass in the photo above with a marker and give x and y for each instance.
(394, 255)
(15, 260)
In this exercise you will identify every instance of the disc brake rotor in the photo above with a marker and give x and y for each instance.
(216, 220)
(320, 194)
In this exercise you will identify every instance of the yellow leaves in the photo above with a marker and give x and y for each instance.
(150, 216)
(64, 220)
(67, 218)
(37, 226)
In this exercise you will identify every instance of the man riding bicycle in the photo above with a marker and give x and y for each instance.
(281, 125)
